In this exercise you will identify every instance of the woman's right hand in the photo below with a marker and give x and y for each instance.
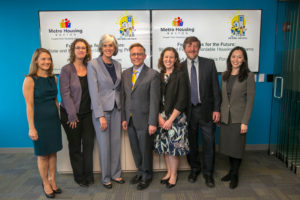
(73, 124)
(161, 121)
(103, 123)
(33, 134)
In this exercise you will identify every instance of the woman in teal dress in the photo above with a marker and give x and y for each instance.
(40, 93)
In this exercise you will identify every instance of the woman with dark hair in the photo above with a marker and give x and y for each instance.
(104, 76)
(171, 139)
(40, 93)
(238, 89)
(76, 114)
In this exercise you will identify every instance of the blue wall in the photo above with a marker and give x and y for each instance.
(19, 35)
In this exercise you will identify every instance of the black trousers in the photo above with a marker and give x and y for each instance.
(208, 138)
(81, 145)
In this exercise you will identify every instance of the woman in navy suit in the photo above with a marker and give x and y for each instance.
(104, 77)
(76, 114)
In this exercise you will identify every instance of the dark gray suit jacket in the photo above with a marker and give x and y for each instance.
(208, 87)
(241, 100)
(142, 103)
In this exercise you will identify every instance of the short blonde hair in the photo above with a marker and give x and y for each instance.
(108, 38)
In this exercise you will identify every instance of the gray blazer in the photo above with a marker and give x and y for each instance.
(241, 100)
(104, 93)
(142, 103)
(70, 91)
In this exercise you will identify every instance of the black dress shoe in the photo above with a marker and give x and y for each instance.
(226, 178)
(234, 181)
(122, 181)
(51, 195)
(107, 186)
(143, 185)
(209, 181)
(193, 176)
(135, 180)
(164, 181)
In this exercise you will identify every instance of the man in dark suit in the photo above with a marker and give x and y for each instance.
(203, 109)
(140, 95)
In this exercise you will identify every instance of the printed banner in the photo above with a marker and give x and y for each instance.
(218, 30)
(58, 29)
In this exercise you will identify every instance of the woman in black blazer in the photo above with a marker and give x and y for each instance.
(238, 88)
(171, 139)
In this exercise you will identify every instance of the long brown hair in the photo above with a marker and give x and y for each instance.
(33, 68)
(88, 55)
(244, 69)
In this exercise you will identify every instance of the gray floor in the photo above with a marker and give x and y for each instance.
(261, 177)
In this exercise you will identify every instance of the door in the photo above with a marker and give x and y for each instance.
(285, 120)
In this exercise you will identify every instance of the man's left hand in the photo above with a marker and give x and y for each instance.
(216, 117)
(152, 129)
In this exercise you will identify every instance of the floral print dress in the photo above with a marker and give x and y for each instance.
(174, 141)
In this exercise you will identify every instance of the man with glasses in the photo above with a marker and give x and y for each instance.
(140, 96)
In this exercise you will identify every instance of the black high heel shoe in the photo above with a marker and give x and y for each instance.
(107, 186)
(226, 178)
(169, 185)
(51, 195)
(57, 191)
(164, 181)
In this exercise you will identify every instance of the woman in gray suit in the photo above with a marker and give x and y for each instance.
(104, 78)
(238, 89)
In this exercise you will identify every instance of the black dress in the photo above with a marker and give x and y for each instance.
(46, 118)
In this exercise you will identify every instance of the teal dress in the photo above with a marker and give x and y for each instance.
(46, 118)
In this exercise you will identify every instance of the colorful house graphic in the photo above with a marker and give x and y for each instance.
(127, 26)
(238, 25)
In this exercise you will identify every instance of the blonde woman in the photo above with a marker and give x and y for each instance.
(40, 93)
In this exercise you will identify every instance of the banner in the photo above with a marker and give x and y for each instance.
(58, 29)
(218, 30)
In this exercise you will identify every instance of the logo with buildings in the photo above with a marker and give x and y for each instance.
(127, 26)
(65, 23)
(177, 21)
(238, 26)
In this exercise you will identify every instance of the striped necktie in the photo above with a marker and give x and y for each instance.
(133, 79)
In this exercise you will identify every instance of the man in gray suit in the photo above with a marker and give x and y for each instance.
(140, 96)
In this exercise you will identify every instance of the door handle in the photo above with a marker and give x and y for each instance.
(275, 87)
